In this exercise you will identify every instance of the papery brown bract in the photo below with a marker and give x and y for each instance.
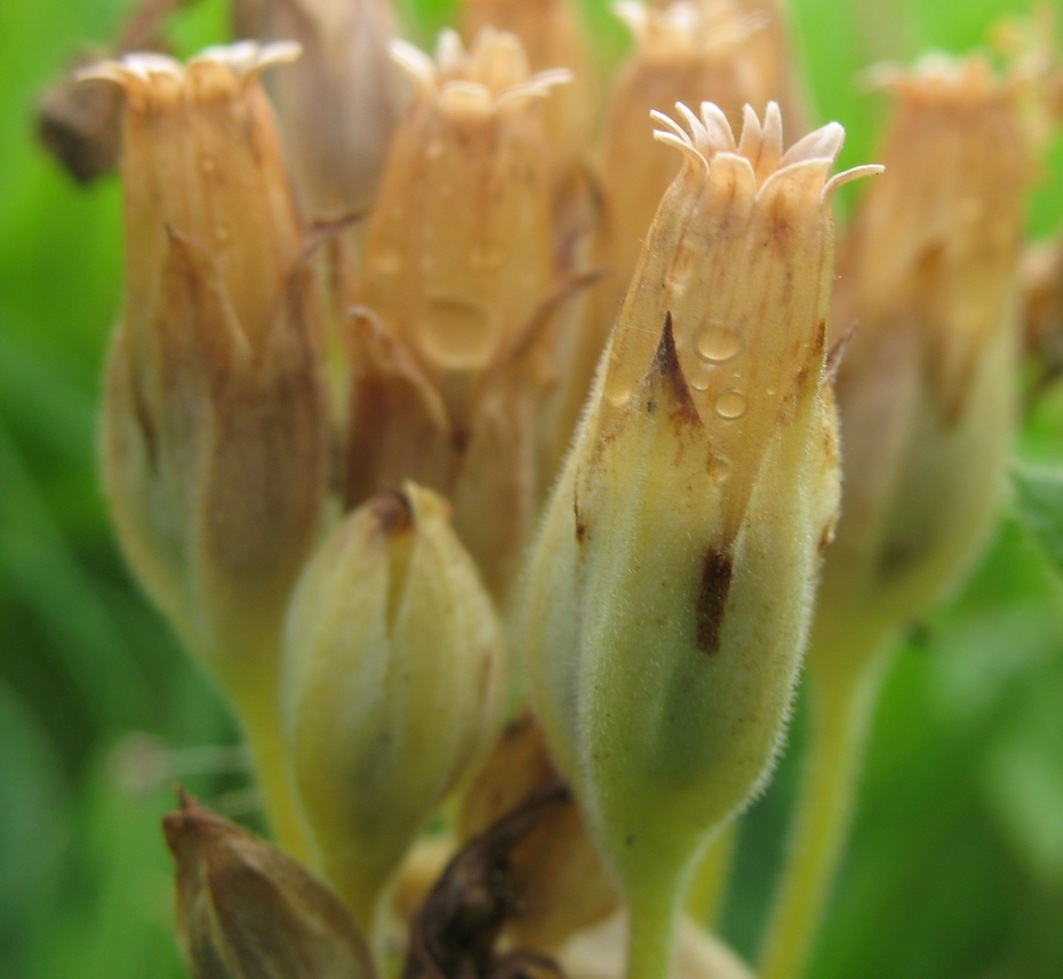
(556, 873)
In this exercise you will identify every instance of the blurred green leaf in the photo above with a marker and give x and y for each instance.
(1040, 499)
(1022, 778)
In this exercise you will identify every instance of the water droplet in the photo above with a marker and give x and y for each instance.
(386, 261)
(731, 404)
(457, 333)
(700, 381)
(719, 469)
(484, 257)
(618, 393)
(718, 342)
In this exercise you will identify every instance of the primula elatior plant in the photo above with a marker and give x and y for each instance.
(487, 458)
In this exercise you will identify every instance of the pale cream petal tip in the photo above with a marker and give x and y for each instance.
(709, 136)
(491, 73)
(692, 25)
(244, 60)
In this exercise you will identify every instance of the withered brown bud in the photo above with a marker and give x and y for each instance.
(559, 878)
(246, 910)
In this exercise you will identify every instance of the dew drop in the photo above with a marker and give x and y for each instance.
(719, 469)
(619, 393)
(457, 334)
(718, 343)
(700, 381)
(731, 404)
(386, 261)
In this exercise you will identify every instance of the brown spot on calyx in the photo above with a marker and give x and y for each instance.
(581, 524)
(666, 366)
(393, 512)
(826, 537)
(716, 570)
(837, 353)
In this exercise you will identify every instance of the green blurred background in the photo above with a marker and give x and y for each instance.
(956, 866)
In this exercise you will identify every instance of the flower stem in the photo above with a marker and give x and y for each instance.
(651, 931)
(708, 889)
(842, 708)
(261, 723)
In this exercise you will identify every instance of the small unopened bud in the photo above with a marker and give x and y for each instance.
(927, 385)
(246, 910)
(671, 585)
(450, 357)
(393, 685)
(339, 103)
(559, 881)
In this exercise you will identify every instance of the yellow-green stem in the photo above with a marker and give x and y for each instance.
(652, 914)
(842, 708)
(261, 722)
(708, 889)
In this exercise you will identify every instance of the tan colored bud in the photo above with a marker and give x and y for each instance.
(246, 910)
(393, 685)
(450, 357)
(671, 584)
(559, 881)
(214, 431)
(553, 37)
(686, 51)
(927, 386)
(339, 103)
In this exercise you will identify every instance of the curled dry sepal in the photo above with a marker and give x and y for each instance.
(246, 910)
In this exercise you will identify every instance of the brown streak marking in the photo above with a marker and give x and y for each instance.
(716, 570)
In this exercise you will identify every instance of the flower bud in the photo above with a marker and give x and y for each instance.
(927, 387)
(451, 352)
(671, 584)
(393, 685)
(246, 910)
(553, 36)
(214, 424)
(339, 103)
(685, 51)
(556, 872)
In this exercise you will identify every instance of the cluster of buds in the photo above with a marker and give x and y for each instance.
(359, 339)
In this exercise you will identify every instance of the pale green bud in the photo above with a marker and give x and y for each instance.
(671, 586)
(393, 685)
